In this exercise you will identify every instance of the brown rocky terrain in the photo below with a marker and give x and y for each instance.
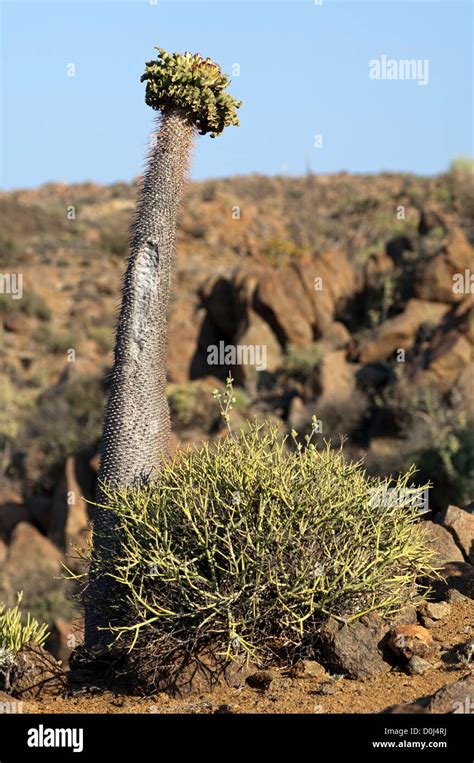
(359, 289)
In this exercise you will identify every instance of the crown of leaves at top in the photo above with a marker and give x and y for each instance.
(193, 84)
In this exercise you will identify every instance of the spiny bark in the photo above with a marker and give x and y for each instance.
(137, 425)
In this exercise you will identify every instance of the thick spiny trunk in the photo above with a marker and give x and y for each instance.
(137, 427)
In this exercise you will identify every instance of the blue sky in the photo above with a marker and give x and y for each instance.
(304, 71)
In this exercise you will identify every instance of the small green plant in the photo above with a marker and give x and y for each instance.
(463, 165)
(281, 252)
(246, 545)
(14, 632)
(300, 361)
(190, 405)
(9, 251)
(31, 304)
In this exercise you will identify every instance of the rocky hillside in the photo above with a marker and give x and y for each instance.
(352, 296)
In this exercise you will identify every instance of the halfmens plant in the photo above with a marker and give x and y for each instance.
(190, 94)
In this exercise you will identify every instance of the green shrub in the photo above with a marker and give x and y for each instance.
(433, 430)
(440, 440)
(300, 361)
(191, 405)
(31, 304)
(9, 251)
(244, 547)
(281, 252)
(462, 164)
(14, 633)
(67, 421)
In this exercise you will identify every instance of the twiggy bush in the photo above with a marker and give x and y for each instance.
(245, 546)
(14, 632)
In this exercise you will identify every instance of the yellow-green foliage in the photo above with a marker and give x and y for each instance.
(247, 545)
(193, 84)
(14, 633)
(462, 164)
(281, 252)
(302, 360)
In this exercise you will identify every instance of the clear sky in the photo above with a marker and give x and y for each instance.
(304, 71)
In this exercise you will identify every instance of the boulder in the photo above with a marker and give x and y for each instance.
(442, 542)
(337, 378)
(65, 636)
(69, 522)
(456, 697)
(458, 576)
(29, 551)
(183, 339)
(434, 277)
(258, 332)
(356, 649)
(3, 551)
(432, 612)
(12, 512)
(417, 666)
(263, 679)
(377, 267)
(297, 414)
(460, 523)
(449, 355)
(407, 640)
(36, 674)
(432, 216)
(336, 336)
(283, 302)
(329, 279)
(400, 332)
(465, 386)
(34, 566)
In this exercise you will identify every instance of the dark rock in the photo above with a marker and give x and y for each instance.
(262, 679)
(356, 649)
(37, 674)
(442, 542)
(416, 708)
(456, 575)
(417, 666)
(406, 615)
(457, 697)
(460, 523)
(12, 512)
(431, 612)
